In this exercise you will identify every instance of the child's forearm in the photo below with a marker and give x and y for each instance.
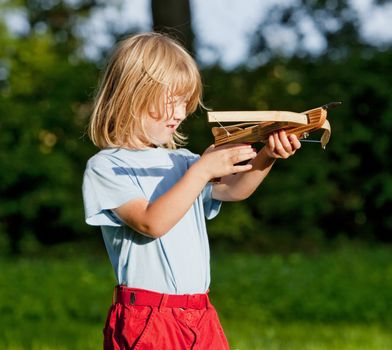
(166, 211)
(240, 186)
(154, 219)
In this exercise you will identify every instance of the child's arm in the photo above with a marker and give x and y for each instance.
(157, 218)
(240, 186)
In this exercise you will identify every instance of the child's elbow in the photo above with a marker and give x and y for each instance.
(147, 228)
(227, 194)
(153, 231)
(234, 197)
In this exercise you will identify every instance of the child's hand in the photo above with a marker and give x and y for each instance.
(220, 161)
(281, 146)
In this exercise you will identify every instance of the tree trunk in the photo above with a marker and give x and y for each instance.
(174, 17)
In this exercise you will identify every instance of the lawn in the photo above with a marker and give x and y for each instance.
(337, 299)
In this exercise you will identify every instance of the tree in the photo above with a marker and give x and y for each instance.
(174, 17)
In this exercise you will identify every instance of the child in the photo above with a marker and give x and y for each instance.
(151, 199)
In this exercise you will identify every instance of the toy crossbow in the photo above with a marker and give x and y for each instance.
(256, 126)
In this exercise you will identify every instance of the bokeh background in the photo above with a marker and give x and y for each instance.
(305, 263)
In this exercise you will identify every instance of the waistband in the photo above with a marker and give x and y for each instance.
(142, 297)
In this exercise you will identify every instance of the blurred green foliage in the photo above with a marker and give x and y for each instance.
(44, 103)
(46, 90)
(338, 299)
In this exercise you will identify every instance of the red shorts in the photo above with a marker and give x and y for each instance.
(141, 319)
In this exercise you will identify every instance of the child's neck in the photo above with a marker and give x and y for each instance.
(139, 146)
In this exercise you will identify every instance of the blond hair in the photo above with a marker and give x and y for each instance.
(143, 72)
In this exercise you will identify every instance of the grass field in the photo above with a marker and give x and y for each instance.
(339, 299)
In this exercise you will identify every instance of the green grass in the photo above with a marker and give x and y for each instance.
(307, 336)
(58, 299)
(333, 300)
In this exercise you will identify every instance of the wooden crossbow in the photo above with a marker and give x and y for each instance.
(258, 125)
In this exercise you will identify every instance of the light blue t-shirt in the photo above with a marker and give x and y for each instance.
(177, 262)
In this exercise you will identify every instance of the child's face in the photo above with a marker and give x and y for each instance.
(159, 128)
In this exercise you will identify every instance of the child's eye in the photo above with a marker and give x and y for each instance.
(171, 101)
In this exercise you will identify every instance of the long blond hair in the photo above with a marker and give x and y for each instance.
(142, 72)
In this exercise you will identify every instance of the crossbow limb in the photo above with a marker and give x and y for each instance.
(256, 126)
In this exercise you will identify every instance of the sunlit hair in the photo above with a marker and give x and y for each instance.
(144, 71)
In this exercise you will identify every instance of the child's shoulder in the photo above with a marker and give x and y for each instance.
(100, 158)
(108, 157)
(185, 152)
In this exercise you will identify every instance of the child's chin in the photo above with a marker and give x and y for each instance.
(159, 143)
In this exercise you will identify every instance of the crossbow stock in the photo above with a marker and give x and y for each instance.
(256, 126)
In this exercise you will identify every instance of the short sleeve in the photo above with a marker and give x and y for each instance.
(105, 187)
(211, 206)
